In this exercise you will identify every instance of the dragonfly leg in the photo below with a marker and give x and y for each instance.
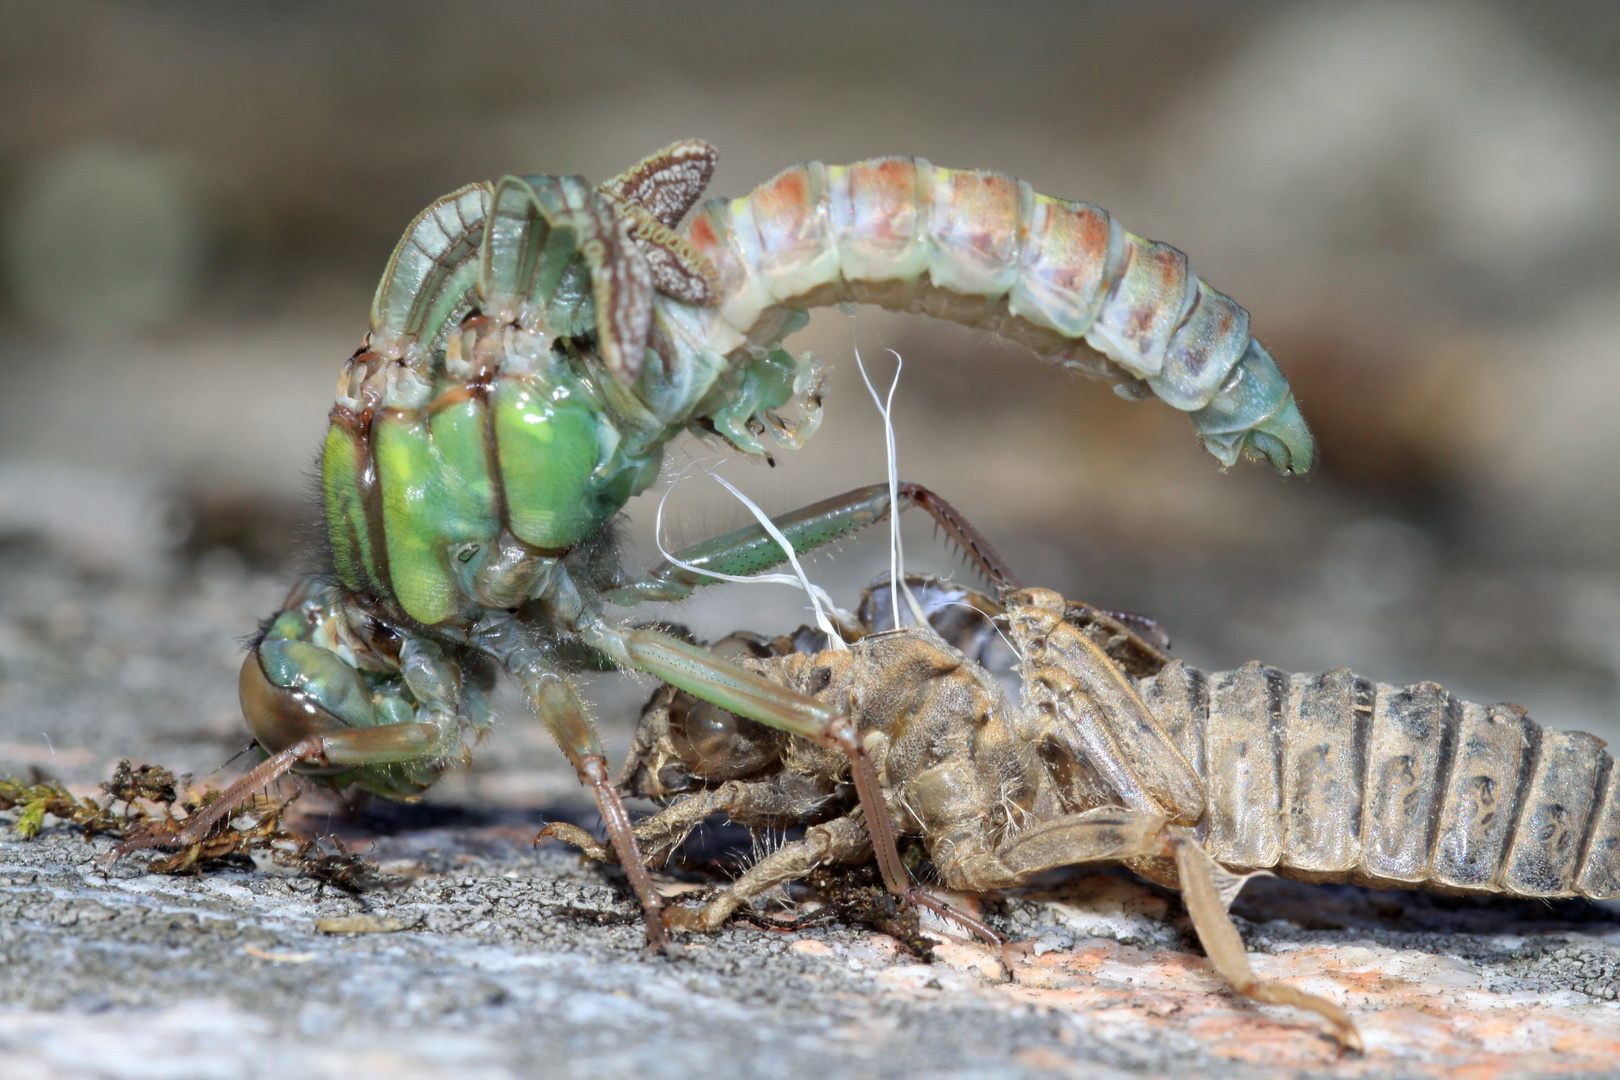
(1137, 640)
(380, 745)
(751, 549)
(564, 715)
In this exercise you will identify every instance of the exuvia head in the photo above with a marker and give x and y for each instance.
(683, 744)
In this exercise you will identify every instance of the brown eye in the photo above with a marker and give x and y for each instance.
(277, 716)
(718, 745)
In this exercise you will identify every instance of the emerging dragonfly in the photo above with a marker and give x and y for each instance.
(534, 345)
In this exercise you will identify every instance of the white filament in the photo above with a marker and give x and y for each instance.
(820, 601)
(992, 621)
(897, 556)
(798, 579)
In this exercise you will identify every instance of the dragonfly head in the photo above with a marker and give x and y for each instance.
(318, 667)
(280, 715)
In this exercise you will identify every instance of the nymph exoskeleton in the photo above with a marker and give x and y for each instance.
(534, 345)
(1109, 751)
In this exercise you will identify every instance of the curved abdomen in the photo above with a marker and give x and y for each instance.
(1332, 777)
(983, 248)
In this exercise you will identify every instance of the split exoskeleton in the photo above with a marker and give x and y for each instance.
(1072, 769)
(534, 345)
(1076, 740)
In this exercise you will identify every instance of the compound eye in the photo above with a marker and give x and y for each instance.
(278, 716)
(718, 745)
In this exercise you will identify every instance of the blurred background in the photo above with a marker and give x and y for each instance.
(1419, 204)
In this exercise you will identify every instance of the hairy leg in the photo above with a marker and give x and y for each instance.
(661, 833)
(378, 745)
(1111, 835)
(842, 840)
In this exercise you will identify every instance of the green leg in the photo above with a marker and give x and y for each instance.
(564, 716)
(751, 549)
(1140, 642)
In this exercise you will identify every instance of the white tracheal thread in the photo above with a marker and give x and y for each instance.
(798, 579)
(897, 557)
(991, 619)
(820, 601)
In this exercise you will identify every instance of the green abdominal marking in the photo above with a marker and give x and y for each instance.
(535, 456)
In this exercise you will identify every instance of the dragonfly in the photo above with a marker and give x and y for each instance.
(535, 344)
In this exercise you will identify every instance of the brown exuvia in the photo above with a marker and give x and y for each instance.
(1110, 751)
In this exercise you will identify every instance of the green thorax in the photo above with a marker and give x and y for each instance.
(448, 498)
(520, 380)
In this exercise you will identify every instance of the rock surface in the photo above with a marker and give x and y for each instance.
(511, 962)
(500, 960)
